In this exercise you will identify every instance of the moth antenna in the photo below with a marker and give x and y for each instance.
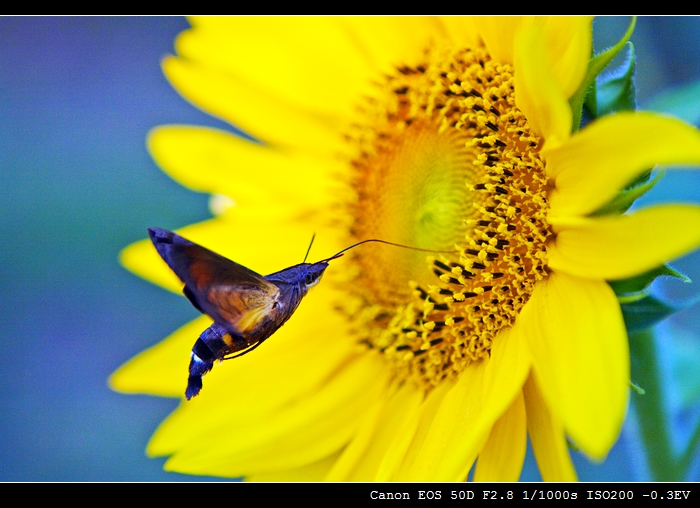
(340, 253)
(313, 237)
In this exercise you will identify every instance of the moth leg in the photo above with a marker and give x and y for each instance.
(243, 352)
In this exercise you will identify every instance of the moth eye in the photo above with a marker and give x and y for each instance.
(309, 279)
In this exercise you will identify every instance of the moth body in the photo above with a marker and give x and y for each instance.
(246, 307)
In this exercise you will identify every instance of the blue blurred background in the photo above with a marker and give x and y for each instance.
(77, 97)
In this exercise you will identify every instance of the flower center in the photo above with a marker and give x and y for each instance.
(445, 160)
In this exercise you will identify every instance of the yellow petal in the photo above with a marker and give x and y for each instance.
(580, 357)
(568, 43)
(314, 472)
(309, 62)
(294, 435)
(537, 92)
(428, 409)
(566, 48)
(547, 437)
(389, 42)
(498, 33)
(267, 118)
(398, 445)
(502, 458)
(468, 411)
(217, 162)
(598, 161)
(618, 247)
(385, 426)
(462, 31)
(353, 452)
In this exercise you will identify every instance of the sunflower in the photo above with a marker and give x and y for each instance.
(449, 134)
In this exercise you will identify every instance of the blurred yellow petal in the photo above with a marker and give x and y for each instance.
(382, 41)
(404, 432)
(385, 426)
(568, 45)
(353, 452)
(266, 57)
(209, 160)
(617, 247)
(265, 117)
(502, 458)
(631, 143)
(462, 30)
(314, 472)
(538, 94)
(498, 33)
(291, 437)
(426, 415)
(468, 411)
(547, 437)
(584, 372)
(565, 49)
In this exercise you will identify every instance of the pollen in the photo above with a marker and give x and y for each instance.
(443, 159)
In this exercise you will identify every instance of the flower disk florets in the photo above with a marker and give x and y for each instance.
(444, 160)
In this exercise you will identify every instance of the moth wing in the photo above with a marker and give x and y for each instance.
(231, 294)
(243, 307)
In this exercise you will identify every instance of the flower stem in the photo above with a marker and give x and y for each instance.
(651, 410)
(691, 449)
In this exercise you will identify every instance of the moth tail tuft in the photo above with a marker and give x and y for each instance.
(194, 385)
(198, 368)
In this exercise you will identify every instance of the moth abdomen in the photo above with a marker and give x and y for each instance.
(213, 344)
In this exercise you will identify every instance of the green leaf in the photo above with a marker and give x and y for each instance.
(682, 102)
(645, 313)
(626, 197)
(616, 91)
(641, 282)
(595, 67)
(637, 388)
(591, 101)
